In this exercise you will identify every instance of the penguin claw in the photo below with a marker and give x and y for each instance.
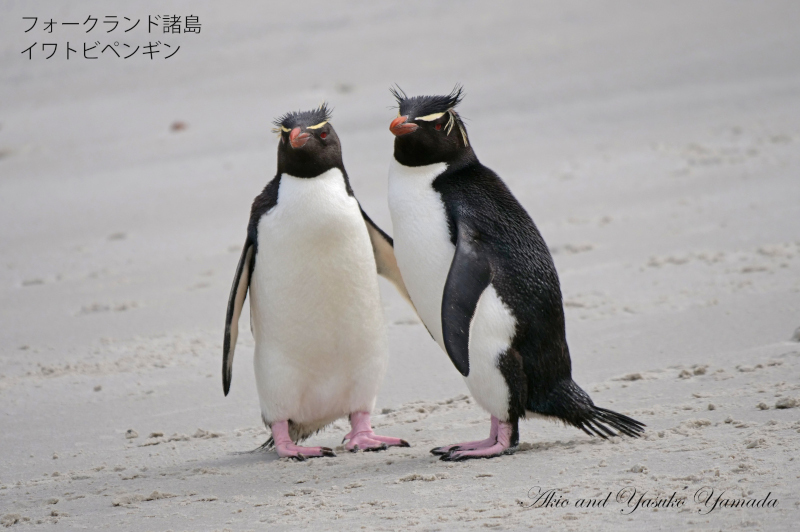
(300, 457)
(446, 449)
(447, 456)
(455, 457)
(327, 451)
(381, 447)
(373, 449)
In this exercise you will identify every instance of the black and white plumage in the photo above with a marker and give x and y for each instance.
(309, 262)
(482, 280)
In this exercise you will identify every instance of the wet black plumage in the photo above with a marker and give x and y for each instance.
(500, 243)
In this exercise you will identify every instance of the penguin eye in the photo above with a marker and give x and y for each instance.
(438, 127)
(323, 135)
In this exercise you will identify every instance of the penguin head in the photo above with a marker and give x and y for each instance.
(428, 129)
(308, 146)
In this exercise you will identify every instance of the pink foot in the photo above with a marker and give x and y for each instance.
(487, 448)
(363, 439)
(287, 449)
(471, 445)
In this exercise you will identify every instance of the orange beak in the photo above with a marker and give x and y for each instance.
(399, 126)
(297, 139)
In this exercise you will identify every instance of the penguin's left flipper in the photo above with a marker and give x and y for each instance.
(470, 273)
(383, 249)
(241, 282)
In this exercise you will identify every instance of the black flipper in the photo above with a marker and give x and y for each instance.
(383, 249)
(470, 274)
(241, 282)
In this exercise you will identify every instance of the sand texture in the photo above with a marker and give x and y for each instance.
(656, 145)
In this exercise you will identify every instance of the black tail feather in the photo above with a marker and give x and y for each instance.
(621, 422)
(568, 402)
(268, 445)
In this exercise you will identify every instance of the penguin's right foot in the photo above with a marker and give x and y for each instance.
(488, 452)
(466, 446)
(301, 454)
(287, 449)
(470, 445)
(498, 444)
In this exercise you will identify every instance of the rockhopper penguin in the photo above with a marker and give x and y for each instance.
(309, 262)
(482, 280)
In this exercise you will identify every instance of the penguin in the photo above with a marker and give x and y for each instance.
(309, 263)
(482, 280)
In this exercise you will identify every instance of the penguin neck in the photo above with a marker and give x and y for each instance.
(310, 173)
(414, 158)
(308, 169)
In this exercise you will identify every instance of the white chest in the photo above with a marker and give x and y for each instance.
(321, 347)
(314, 271)
(309, 210)
(421, 239)
(424, 254)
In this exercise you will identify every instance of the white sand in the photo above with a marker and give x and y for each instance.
(657, 147)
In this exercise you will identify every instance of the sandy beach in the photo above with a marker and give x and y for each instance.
(657, 147)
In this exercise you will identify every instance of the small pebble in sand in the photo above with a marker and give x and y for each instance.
(762, 406)
(787, 402)
(700, 370)
(52, 501)
(98, 388)
(55, 456)
(205, 434)
(638, 469)
(131, 434)
(177, 126)
(684, 374)
(755, 443)
(156, 435)
(711, 406)
(12, 519)
(427, 478)
(796, 335)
